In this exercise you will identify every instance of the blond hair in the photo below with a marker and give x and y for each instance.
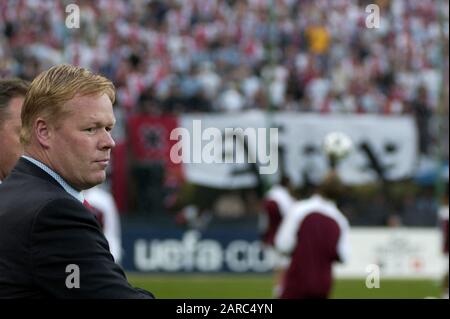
(51, 89)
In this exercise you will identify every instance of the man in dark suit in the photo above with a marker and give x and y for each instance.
(51, 245)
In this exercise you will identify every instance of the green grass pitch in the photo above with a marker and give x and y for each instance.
(236, 286)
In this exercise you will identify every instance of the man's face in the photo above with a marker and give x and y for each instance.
(80, 144)
(11, 148)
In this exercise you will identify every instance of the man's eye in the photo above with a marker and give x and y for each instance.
(91, 130)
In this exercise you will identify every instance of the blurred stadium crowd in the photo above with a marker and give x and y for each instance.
(313, 55)
(228, 56)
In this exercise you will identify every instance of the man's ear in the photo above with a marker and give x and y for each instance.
(43, 132)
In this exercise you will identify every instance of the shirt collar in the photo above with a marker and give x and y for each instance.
(78, 195)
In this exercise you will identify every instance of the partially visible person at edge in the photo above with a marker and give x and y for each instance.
(12, 94)
(51, 245)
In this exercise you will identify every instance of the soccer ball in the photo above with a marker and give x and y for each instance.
(337, 145)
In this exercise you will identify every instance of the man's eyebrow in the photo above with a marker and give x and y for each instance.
(100, 124)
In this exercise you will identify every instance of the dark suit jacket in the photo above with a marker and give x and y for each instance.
(43, 230)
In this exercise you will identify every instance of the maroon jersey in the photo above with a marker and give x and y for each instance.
(309, 274)
(315, 234)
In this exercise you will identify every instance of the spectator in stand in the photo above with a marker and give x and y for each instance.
(421, 110)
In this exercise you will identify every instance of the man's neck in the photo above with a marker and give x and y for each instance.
(55, 175)
(39, 156)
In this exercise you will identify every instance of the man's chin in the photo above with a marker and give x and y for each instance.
(95, 181)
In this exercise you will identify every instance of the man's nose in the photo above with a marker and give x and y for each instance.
(107, 141)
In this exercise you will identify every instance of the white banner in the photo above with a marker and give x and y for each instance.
(221, 175)
(396, 252)
(392, 139)
(384, 253)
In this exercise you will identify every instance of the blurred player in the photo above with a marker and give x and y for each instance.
(314, 234)
(12, 94)
(104, 208)
(277, 203)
